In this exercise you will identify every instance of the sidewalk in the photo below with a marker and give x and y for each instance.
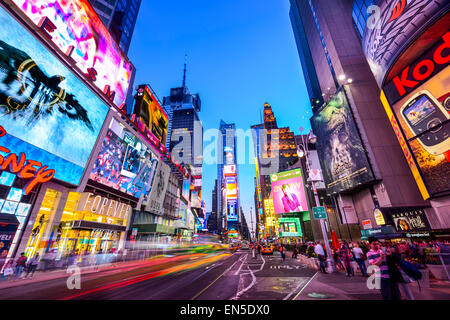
(336, 286)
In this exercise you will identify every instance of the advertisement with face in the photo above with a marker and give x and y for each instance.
(151, 113)
(288, 192)
(74, 28)
(156, 198)
(48, 113)
(341, 152)
(124, 162)
(420, 117)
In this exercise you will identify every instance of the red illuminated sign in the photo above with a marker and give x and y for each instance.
(420, 71)
(16, 164)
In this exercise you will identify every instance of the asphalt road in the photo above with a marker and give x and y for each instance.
(235, 276)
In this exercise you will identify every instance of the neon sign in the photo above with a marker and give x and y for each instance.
(31, 170)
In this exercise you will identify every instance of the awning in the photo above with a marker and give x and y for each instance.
(91, 225)
(9, 219)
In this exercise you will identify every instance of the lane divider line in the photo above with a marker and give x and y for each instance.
(306, 285)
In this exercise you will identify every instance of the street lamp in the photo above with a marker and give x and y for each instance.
(312, 138)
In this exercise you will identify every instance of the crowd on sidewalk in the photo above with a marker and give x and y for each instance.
(395, 263)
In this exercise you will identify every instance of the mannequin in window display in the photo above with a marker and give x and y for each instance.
(35, 231)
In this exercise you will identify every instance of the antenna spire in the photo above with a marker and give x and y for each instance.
(185, 67)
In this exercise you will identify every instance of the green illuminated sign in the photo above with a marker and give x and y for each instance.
(289, 227)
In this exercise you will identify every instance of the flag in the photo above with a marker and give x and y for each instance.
(335, 241)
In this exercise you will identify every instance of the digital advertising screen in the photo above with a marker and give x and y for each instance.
(420, 117)
(341, 152)
(232, 211)
(289, 227)
(151, 113)
(231, 187)
(229, 170)
(124, 162)
(75, 29)
(47, 112)
(185, 190)
(288, 193)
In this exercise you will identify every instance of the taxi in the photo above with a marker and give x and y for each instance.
(266, 250)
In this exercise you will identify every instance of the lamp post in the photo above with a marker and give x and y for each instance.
(313, 139)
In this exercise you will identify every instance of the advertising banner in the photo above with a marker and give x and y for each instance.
(289, 227)
(288, 192)
(74, 28)
(232, 211)
(156, 198)
(406, 219)
(341, 152)
(124, 162)
(185, 190)
(48, 113)
(231, 187)
(151, 113)
(391, 29)
(195, 199)
(418, 110)
(229, 170)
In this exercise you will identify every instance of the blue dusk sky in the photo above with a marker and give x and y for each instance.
(241, 54)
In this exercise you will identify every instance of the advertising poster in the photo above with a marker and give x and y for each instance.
(124, 162)
(341, 152)
(420, 116)
(231, 187)
(289, 227)
(48, 113)
(288, 192)
(229, 170)
(151, 113)
(156, 198)
(80, 34)
(232, 211)
(407, 219)
(185, 190)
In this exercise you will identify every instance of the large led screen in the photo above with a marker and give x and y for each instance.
(78, 32)
(232, 211)
(289, 227)
(288, 192)
(151, 113)
(341, 152)
(124, 162)
(48, 113)
(231, 185)
(420, 117)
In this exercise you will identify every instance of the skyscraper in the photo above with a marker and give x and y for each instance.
(275, 150)
(119, 16)
(227, 176)
(363, 165)
(185, 135)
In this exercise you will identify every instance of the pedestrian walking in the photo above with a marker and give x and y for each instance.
(283, 255)
(318, 250)
(345, 256)
(294, 252)
(32, 265)
(377, 257)
(360, 259)
(20, 265)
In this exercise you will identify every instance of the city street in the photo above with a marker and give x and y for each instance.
(195, 277)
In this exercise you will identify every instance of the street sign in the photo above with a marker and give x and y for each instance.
(319, 213)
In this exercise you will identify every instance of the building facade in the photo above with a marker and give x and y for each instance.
(363, 164)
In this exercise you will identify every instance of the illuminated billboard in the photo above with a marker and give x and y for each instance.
(48, 113)
(124, 162)
(232, 211)
(158, 192)
(151, 113)
(229, 170)
(231, 187)
(185, 190)
(341, 152)
(74, 28)
(417, 102)
(289, 227)
(288, 192)
(393, 26)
